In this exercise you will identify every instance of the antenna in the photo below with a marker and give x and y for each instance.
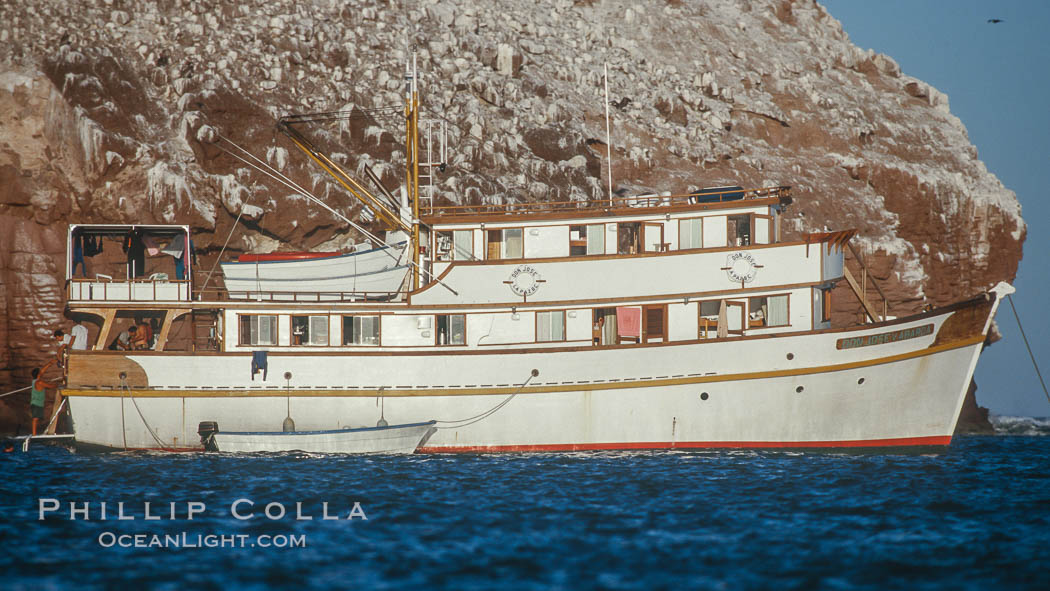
(608, 141)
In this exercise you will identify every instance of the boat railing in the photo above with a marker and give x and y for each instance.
(219, 295)
(861, 287)
(704, 196)
(104, 288)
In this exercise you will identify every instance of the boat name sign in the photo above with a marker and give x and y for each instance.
(741, 267)
(525, 280)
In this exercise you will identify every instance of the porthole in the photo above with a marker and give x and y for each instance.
(790, 356)
(799, 389)
(704, 396)
(860, 382)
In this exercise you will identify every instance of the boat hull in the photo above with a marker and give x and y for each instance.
(392, 439)
(893, 384)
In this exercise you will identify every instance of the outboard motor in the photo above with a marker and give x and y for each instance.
(207, 431)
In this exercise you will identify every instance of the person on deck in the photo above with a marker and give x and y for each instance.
(64, 341)
(124, 340)
(143, 335)
(38, 395)
(79, 333)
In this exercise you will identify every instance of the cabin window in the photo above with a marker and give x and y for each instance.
(451, 329)
(603, 327)
(455, 245)
(654, 324)
(739, 230)
(628, 238)
(713, 318)
(550, 326)
(708, 328)
(825, 304)
(690, 233)
(257, 330)
(767, 311)
(653, 238)
(505, 244)
(587, 240)
(360, 330)
(309, 330)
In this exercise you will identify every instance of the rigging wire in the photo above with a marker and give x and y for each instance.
(225, 244)
(1029, 347)
(269, 171)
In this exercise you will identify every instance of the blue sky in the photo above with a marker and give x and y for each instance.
(997, 78)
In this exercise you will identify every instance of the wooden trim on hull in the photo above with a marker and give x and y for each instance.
(479, 391)
(902, 442)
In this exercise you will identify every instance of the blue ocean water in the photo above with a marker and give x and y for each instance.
(975, 516)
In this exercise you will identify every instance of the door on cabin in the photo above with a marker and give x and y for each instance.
(653, 240)
(494, 240)
(735, 317)
(628, 235)
(654, 324)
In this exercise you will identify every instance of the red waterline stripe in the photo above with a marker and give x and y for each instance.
(897, 442)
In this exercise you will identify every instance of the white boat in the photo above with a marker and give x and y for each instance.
(373, 272)
(671, 321)
(386, 439)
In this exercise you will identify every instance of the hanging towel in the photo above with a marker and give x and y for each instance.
(176, 246)
(258, 364)
(151, 245)
(629, 322)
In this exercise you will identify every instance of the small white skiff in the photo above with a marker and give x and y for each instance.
(378, 271)
(390, 439)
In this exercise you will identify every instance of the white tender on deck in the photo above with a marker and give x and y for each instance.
(378, 271)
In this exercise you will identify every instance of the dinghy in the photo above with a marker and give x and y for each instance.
(385, 439)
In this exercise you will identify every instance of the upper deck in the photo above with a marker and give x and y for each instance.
(128, 263)
(715, 198)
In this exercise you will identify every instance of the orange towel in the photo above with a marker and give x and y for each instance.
(629, 322)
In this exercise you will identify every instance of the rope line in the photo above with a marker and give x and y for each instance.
(491, 411)
(1029, 347)
(124, 386)
(15, 391)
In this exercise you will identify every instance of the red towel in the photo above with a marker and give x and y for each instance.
(629, 322)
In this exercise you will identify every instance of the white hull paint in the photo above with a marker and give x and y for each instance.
(797, 390)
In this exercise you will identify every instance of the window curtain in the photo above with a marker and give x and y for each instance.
(778, 311)
(691, 235)
(596, 239)
(512, 243)
(318, 330)
(462, 248)
(609, 329)
(550, 326)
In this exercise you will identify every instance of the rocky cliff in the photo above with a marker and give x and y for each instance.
(102, 106)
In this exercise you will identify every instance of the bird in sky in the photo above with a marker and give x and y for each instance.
(995, 21)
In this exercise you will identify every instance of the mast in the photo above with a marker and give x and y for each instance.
(412, 161)
(608, 134)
